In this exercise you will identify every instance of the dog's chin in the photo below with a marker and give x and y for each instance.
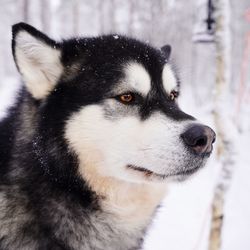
(185, 175)
(175, 176)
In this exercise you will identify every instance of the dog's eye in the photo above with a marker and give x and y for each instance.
(173, 95)
(126, 98)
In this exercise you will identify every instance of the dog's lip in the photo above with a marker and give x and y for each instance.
(149, 173)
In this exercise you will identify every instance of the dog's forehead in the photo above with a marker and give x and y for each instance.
(125, 64)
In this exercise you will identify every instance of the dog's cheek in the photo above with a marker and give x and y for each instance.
(97, 141)
(82, 133)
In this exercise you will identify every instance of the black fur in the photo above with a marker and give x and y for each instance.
(166, 50)
(37, 169)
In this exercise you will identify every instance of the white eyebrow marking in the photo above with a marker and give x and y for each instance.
(138, 77)
(169, 79)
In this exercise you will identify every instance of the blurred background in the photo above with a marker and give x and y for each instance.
(210, 41)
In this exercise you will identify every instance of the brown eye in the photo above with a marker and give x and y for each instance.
(126, 98)
(173, 95)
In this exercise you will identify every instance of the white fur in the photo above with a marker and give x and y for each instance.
(39, 64)
(169, 79)
(108, 146)
(104, 148)
(138, 78)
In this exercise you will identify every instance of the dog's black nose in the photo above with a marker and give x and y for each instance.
(199, 138)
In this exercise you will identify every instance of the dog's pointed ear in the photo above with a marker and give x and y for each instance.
(166, 51)
(38, 59)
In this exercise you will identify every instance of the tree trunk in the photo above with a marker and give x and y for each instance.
(45, 15)
(224, 142)
(131, 17)
(76, 17)
(26, 10)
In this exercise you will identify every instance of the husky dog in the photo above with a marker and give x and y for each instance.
(95, 134)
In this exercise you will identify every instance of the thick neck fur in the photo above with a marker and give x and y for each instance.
(41, 210)
(132, 203)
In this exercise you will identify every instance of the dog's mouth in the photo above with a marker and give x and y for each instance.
(150, 174)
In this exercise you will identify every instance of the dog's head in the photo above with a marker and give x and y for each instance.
(113, 100)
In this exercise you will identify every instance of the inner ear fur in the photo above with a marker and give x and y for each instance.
(38, 59)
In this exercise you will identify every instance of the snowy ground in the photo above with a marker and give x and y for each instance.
(237, 220)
